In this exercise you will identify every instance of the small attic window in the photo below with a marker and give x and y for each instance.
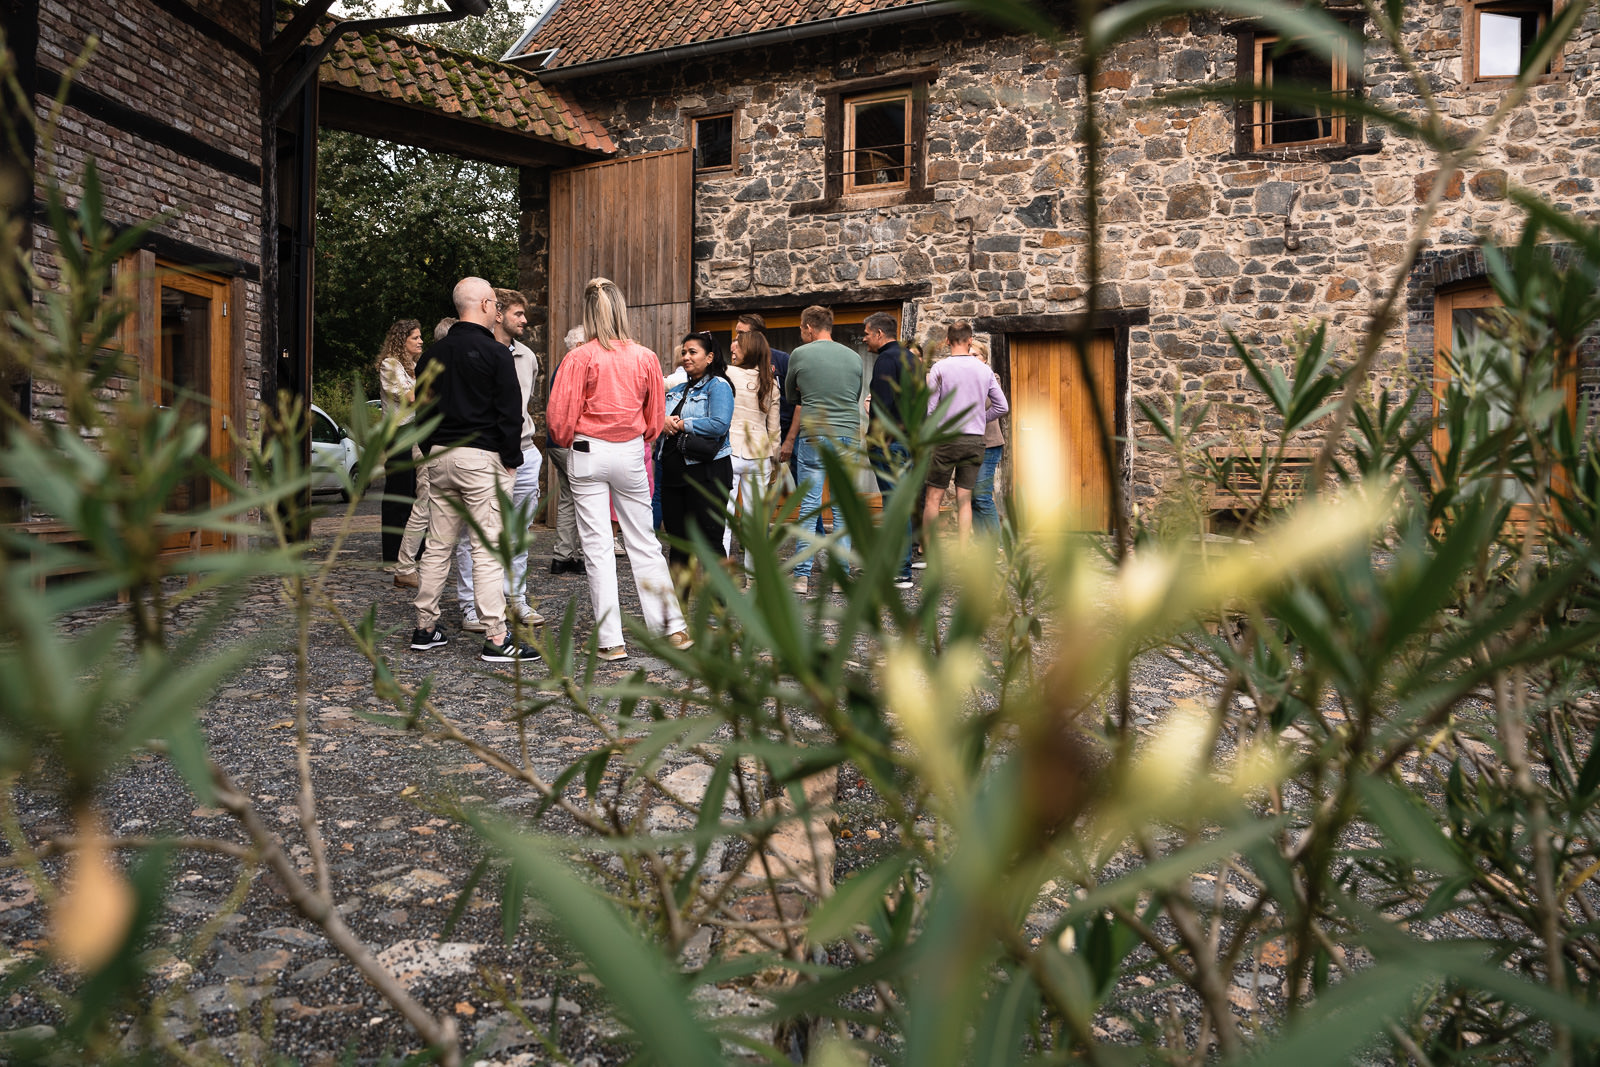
(1500, 36)
(713, 141)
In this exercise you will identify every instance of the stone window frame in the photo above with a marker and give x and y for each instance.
(1348, 69)
(693, 117)
(836, 192)
(1471, 9)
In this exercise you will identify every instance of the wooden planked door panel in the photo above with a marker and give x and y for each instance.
(630, 220)
(1054, 401)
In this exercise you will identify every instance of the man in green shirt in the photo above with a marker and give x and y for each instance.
(824, 384)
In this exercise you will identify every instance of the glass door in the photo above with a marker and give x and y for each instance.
(193, 374)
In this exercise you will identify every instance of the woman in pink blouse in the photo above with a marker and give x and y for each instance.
(607, 406)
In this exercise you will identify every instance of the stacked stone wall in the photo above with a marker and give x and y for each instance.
(1208, 241)
(173, 75)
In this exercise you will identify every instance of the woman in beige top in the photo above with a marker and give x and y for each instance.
(754, 433)
(397, 382)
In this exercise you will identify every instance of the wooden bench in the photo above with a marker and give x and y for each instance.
(19, 519)
(1248, 470)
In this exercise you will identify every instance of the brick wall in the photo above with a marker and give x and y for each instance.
(170, 74)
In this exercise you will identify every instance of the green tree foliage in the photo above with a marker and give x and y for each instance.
(398, 226)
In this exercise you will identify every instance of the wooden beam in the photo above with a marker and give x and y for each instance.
(437, 132)
(294, 34)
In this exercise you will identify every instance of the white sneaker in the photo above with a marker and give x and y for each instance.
(472, 624)
(525, 613)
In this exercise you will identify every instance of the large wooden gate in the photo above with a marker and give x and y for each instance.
(1059, 412)
(630, 220)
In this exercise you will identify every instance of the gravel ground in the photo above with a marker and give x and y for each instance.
(264, 976)
(252, 975)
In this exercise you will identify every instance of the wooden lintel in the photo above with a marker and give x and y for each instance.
(438, 132)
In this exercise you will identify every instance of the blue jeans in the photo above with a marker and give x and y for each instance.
(985, 519)
(812, 475)
(889, 468)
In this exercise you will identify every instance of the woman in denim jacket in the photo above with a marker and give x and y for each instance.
(695, 492)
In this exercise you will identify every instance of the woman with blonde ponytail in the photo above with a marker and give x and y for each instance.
(607, 406)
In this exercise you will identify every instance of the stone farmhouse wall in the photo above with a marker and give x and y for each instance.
(1199, 238)
(171, 116)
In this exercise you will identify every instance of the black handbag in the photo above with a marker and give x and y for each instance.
(697, 447)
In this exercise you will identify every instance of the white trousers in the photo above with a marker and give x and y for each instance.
(610, 475)
(524, 502)
(750, 477)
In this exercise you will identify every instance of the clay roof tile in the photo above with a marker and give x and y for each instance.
(589, 30)
(423, 75)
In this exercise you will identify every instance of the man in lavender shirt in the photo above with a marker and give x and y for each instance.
(975, 398)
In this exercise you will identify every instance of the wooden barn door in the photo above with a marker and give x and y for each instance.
(630, 220)
(1046, 372)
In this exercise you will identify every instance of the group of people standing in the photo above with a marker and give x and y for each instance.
(718, 431)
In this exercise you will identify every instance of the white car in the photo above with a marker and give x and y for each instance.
(332, 451)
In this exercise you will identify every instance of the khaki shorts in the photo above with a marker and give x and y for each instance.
(963, 456)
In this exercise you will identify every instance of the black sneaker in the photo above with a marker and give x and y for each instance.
(509, 651)
(422, 640)
(566, 566)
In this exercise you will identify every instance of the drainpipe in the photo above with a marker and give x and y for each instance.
(845, 24)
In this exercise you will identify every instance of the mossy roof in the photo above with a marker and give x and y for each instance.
(473, 88)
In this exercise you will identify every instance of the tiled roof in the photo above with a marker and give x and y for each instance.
(584, 31)
(425, 76)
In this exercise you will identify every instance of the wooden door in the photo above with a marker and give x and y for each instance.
(1053, 407)
(630, 220)
(191, 369)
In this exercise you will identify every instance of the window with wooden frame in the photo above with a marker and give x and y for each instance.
(1299, 90)
(187, 336)
(713, 138)
(875, 138)
(877, 141)
(1499, 37)
(1459, 314)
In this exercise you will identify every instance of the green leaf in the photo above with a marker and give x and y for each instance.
(1343, 1020)
(856, 897)
(1008, 1017)
(1409, 825)
(648, 994)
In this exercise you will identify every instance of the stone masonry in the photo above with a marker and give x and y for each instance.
(1199, 237)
